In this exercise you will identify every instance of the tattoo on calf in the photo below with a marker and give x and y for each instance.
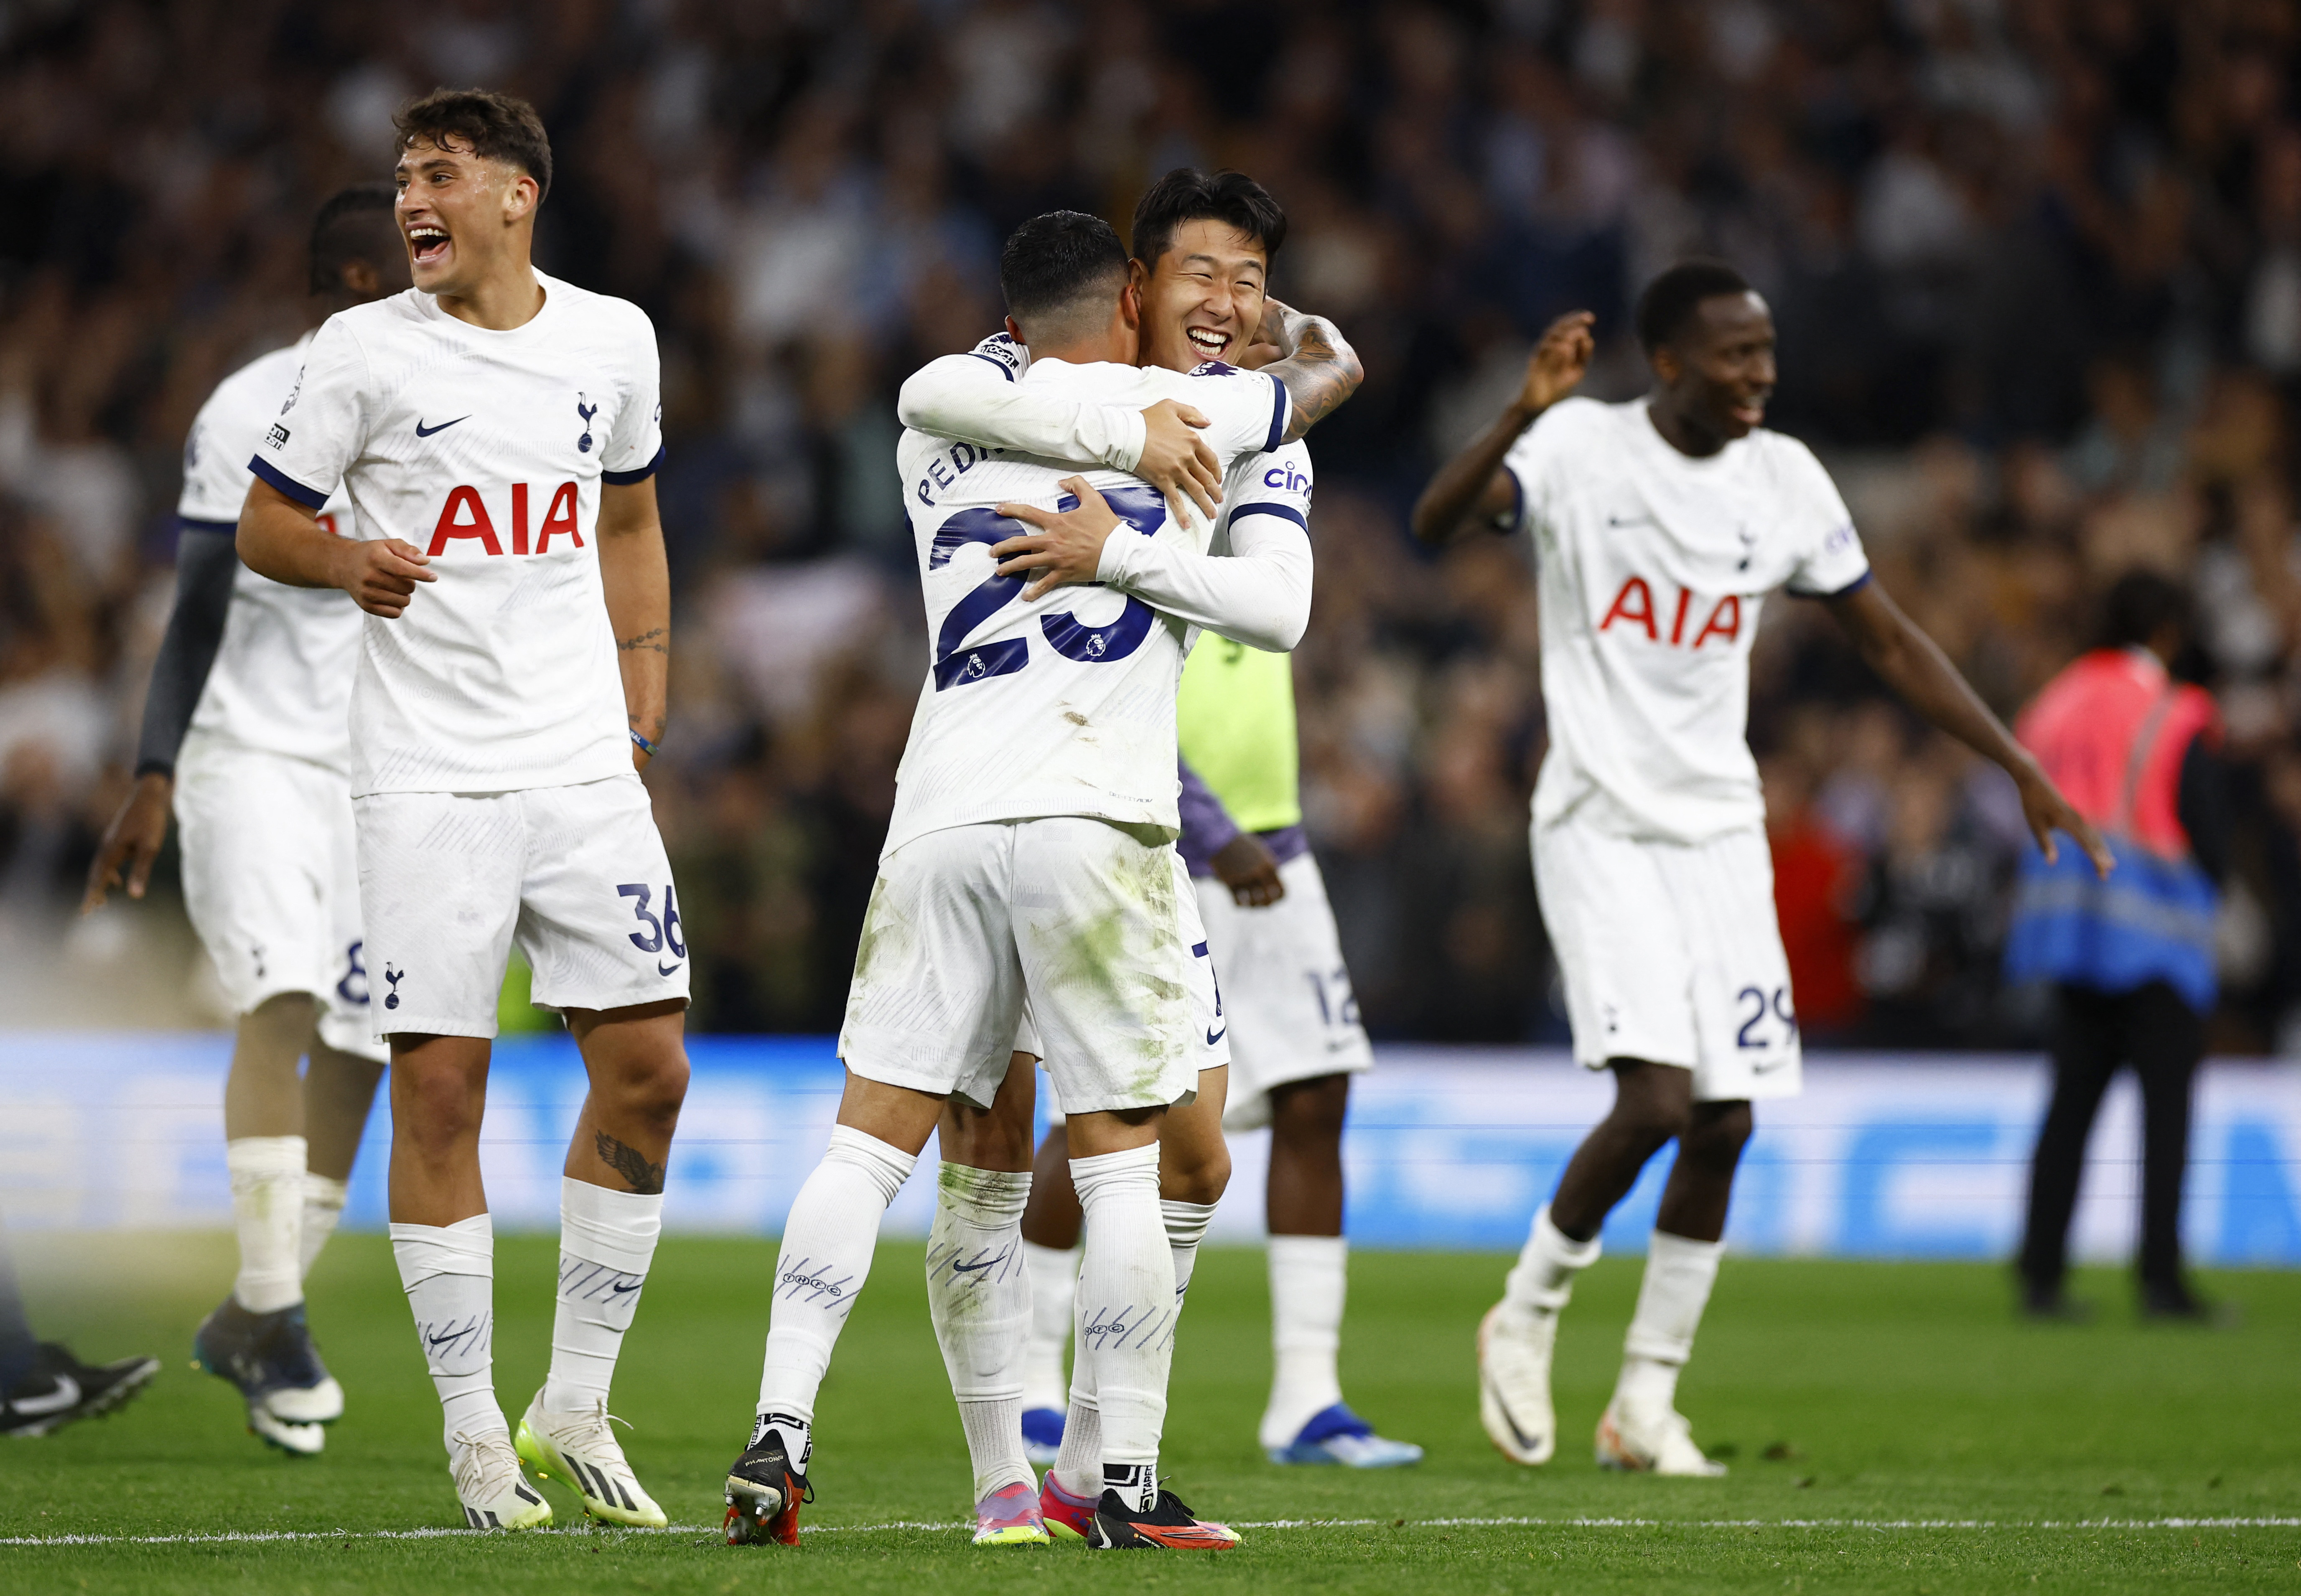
(646, 1178)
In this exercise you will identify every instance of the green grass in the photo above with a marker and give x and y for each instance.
(1848, 1396)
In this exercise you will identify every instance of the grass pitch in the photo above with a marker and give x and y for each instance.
(1890, 1428)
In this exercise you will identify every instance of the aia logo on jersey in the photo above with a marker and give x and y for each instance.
(465, 516)
(1634, 606)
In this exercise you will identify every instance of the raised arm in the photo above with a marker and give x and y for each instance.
(637, 577)
(1472, 489)
(975, 397)
(1316, 364)
(1914, 666)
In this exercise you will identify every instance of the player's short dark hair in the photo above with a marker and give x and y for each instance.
(354, 225)
(2140, 604)
(1669, 300)
(498, 127)
(1186, 194)
(1057, 263)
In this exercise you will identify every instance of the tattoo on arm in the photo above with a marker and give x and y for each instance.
(1322, 372)
(657, 640)
(646, 1178)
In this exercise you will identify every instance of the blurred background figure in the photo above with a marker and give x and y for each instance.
(2130, 958)
(43, 1387)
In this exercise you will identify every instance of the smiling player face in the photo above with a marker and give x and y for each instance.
(1718, 372)
(1203, 300)
(461, 215)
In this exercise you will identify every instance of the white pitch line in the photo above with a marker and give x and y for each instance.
(241, 1537)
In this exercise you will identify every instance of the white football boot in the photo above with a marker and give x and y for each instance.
(304, 1441)
(1514, 1352)
(580, 1450)
(495, 1495)
(1660, 1443)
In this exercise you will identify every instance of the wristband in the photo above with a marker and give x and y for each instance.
(644, 746)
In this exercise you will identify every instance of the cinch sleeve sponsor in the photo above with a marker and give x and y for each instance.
(1276, 484)
(323, 425)
(1835, 564)
(634, 449)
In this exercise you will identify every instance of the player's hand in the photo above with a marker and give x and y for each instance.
(1270, 333)
(1067, 550)
(2047, 812)
(132, 839)
(1250, 870)
(380, 574)
(1558, 362)
(1177, 461)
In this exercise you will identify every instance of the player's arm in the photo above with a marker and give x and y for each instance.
(636, 576)
(1258, 594)
(205, 567)
(1241, 861)
(1317, 365)
(281, 538)
(1473, 489)
(1914, 666)
(975, 397)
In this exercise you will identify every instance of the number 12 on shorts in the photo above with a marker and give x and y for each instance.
(662, 930)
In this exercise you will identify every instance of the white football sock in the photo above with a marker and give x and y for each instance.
(1054, 1288)
(267, 1211)
(1078, 1461)
(1127, 1307)
(978, 1296)
(449, 1272)
(323, 1206)
(1186, 1226)
(606, 1240)
(1309, 1278)
(1544, 1279)
(826, 1257)
(1679, 1273)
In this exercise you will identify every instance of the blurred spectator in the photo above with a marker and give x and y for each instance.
(2036, 267)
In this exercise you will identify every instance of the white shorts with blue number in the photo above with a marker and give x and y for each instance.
(576, 875)
(1285, 990)
(1671, 953)
(272, 881)
(1090, 921)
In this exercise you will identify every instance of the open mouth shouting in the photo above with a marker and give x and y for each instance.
(427, 243)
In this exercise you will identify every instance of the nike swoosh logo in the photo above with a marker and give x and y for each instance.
(423, 432)
(1527, 1442)
(666, 969)
(1760, 1069)
(453, 1336)
(65, 1395)
(960, 1268)
(1215, 1036)
(621, 1290)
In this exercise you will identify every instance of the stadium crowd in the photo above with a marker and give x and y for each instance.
(2036, 265)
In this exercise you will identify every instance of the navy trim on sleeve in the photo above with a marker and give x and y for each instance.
(1278, 412)
(1517, 499)
(227, 528)
(1005, 370)
(1268, 507)
(624, 479)
(311, 499)
(1847, 592)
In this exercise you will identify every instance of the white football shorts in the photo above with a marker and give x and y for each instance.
(576, 875)
(1284, 991)
(271, 883)
(1671, 953)
(1089, 921)
(1207, 1021)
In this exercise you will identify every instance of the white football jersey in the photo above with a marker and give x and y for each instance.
(282, 678)
(1653, 566)
(487, 450)
(1270, 483)
(1065, 706)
